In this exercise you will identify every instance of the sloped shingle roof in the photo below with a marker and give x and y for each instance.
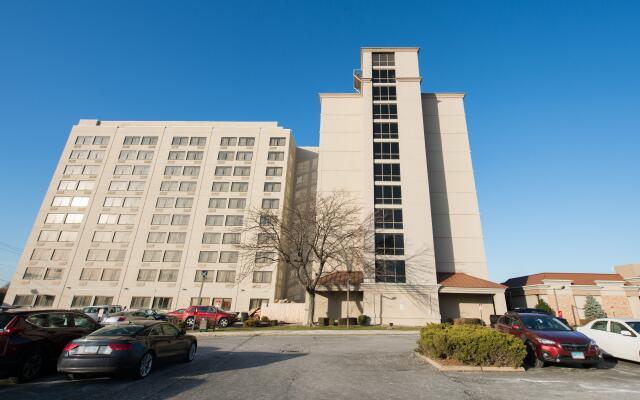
(577, 278)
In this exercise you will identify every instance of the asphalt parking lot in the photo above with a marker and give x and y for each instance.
(332, 367)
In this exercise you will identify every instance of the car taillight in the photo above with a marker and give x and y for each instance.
(120, 346)
(70, 346)
(122, 319)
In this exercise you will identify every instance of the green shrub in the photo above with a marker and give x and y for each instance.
(273, 322)
(543, 305)
(250, 323)
(471, 345)
(468, 321)
(264, 318)
(363, 320)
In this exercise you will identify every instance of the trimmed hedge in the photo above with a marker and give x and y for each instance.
(250, 323)
(468, 321)
(471, 345)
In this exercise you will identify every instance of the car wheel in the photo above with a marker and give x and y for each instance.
(532, 360)
(144, 366)
(223, 322)
(191, 354)
(32, 366)
(191, 322)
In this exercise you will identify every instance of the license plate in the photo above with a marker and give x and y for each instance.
(578, 355)
(88, 349)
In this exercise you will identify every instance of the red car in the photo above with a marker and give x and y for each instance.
(192, 315)
(549, 340)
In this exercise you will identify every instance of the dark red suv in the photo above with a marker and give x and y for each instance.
(549, 340)
(30, 340)
(192, 316)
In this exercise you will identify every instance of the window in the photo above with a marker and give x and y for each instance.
(168, 186)
(53, 274)
(176, 155)
(162, 303)
(187, 186)
(385, 111)
(198, 141)
(172, 170)
(277, 141)
(616, 327)
(180, 219)
(239, 186)
(217, 203)
(223, 171)
(118, 185)
(68, 236)
(191, 171)
(272, 187)
(60, 255)
(149, 140)
(84, 140)
(208, 256)
(41, 254)
(67, 185)
(131, 140)
(85, 185)
(599, 326)
(127, 219)
(257, 303)
(242, 171)
(177, 237)
(61, 201)
(265, 238)
(110, 274)
(220, 187)
(274, 171)
(96, 155)
(270, 204)
(116, 255)
(390, 244)
(244, 156)
(391, 271)
(386, 218)
(23, 300)
(80, 202)
(140, 302)
(180, 141)
(102, 300)
(226, 276)
(222, 303)
(384, 93)
(195, 155)
(90, 169)
(73, 170)
(44, 300)
(228, 141)
(145, 155)
(90, 274)
(160, 219)
(383, 59)
(96, 255)
(152, 256)
(136, 185)
(384, 76)
(141, 170)
(147, 275)
(184, 202)
(387, 195)
(54, 219)
(385, 130)
(157, 237)
(237, 203)
(225, 155)
(33, 273)
(168, 275)
(80, 301)
(266, 220)
(210, 238)
(78, 154)
(165, 202)
(214, 220)
(275, 156)
(113, 202)
(172, 256)
(228, 256)
(102, 236)
(231, 238)
(121, 237)
(246, 141)
(127, 155)
(48, 236)
(234, 220)
(264, 257)
(261, 276)
(386, 172)
(204, 276)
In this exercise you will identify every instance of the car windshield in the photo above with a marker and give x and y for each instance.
(4, 319)
(633, 324)
(91, 310)
(119, 330)
(543, 323)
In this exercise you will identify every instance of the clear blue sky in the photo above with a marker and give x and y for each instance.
(552, 87)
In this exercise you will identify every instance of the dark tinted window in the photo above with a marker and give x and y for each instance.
(40, 320)
(543, 323)
(82, 321)
(633, 324)
(156, 331)
(5, 318)
(119, 330)
(170, 330)
(599, 326)
(60, 320)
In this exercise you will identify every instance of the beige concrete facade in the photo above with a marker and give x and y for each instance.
(153, 212)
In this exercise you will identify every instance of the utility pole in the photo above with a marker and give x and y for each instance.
(203, 277)
(348, 291)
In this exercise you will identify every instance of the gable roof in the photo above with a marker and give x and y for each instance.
(577, 278)
(340, 278)
(462, 280)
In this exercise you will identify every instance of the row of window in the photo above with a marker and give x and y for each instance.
(131, 170)
(105, 255)
(126, 185)
(50, 254)
(248, 155)
(386, 150)
(188, 141)
(81, 170)
(135, 155)
(383, 59)
(100, 274)
(388, 218)
(384, 93)
(178, 140)
(385, 111)
(230, 276)
(173, 170)
(32, 300)
(56, 218)
(92, 140)
(86, 155)
(76, 185)
(385, 130)
(144, 140)
(40, 273)
(390, 244)
(386, 172)
(185, 155)
(390, 271)
(215, 256)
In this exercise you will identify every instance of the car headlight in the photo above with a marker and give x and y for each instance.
(546, 341)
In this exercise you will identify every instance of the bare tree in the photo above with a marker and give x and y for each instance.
(311, 238)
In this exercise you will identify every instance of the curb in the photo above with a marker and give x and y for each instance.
(310, 332)
(465, 368)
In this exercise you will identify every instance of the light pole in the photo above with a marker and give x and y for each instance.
(348, 290)
(203, 277)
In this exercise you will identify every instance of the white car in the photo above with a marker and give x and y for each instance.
(615, 336)
(100, 312)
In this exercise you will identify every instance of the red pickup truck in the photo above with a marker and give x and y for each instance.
(192, 316)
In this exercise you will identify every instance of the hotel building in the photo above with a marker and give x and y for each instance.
(136, 211)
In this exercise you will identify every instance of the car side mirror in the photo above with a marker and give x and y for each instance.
(626, 333)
